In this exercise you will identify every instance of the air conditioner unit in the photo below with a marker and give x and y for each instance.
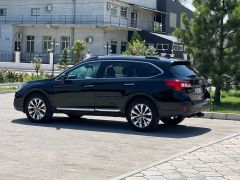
(108, 5)
(89, 39)
(49, 7)
(18, 36)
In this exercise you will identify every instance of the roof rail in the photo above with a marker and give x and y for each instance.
(152, 57)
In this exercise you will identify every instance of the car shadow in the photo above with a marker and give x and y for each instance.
(84, 124)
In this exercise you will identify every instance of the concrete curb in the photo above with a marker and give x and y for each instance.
(122, 177)
(9, 84)
(7, 92)
(222, 116)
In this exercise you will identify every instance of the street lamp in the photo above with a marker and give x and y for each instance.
(108, 47)
(54, 45)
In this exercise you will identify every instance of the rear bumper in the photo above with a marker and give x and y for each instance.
(185, 109)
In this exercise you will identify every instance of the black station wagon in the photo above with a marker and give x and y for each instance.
(142, 89)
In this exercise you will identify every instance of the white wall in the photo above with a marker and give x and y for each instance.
(100, 37)
(6, 41)
(59, 7)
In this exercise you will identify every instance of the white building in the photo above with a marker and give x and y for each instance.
(30, 26)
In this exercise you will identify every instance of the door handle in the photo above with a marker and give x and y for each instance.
(89, 86)
(129, 84)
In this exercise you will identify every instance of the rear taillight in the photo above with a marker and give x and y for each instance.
(178, 85)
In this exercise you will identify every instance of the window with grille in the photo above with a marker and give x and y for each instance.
(124, 12)
(30, 44)
(3, 11)
(65, 42)
(47, 40)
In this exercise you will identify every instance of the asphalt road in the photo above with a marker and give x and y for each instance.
(92, 147)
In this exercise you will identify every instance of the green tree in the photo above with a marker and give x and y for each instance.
(64, 62)
(211, 37)
(136, 36)
(151, 51)
(78, 48)
(37, 63)
(137, 48)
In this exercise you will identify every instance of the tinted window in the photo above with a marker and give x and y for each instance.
(183, 71)
(146, 70)
(118, 69)
(85, 71)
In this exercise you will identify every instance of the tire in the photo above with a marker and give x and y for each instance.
(173, 121)
(136, 118)
(74, 116)
(38, 109)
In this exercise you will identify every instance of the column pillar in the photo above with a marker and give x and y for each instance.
(17, 57)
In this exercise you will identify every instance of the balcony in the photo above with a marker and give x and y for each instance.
(96, 20)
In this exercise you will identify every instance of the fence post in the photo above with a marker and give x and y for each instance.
(17, 57)
(51, 59)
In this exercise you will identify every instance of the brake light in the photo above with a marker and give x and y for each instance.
(178, 85)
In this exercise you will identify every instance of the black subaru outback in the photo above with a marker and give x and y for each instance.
(142, 89)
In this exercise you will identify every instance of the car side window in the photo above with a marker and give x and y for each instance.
(145, 70)
(118, 69)
(84, 71)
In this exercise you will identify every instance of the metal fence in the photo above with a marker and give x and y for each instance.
(29, 57)
(7, 57)
(98, 20)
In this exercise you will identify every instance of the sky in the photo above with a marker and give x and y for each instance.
(189, 5)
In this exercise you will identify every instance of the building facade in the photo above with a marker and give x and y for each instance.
(30, 26)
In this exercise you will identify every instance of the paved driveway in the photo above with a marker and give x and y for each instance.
(92, 147)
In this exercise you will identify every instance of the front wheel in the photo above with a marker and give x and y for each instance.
(142, 115)
(38, 109)
(173, 121)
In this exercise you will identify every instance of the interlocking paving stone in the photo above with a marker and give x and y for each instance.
(219, 161)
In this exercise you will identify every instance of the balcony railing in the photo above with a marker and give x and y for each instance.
(98, 20)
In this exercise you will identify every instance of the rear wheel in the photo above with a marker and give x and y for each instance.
(142, 115)
(38, 109)
(173, 121)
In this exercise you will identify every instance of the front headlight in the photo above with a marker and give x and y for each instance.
(21, 85)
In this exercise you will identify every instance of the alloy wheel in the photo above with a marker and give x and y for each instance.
(141, 116)
(37, 109)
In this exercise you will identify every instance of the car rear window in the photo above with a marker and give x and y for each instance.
(146, 70)
(183, 71)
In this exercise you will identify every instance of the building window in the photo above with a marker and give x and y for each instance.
(17, 46)
(149, 45)
(30, 44)
(159, 47)
(3, 11)
(173, 20)
(114, 47)
(0, 33)
(124, 12)
(35, 11)
(123, 46)
(165, 47)
(175, 47)
(157, 27)
(65, 42)
(114, 10)
(47, 40)
(180, 48)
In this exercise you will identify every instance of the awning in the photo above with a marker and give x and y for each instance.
(168, 37)
(149, 9)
